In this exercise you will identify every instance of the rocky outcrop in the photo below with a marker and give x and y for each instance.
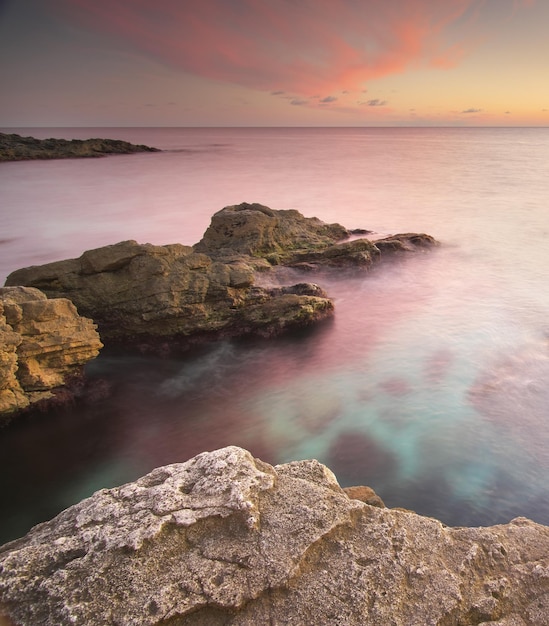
(286, 237)
(16, 148)
(164, 297)
(43, 345)
(228, 539)
(255, 229)
(145, 295)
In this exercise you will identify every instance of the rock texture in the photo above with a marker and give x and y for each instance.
(162, 297)
(255, 229)
(16, 148)
(286, 237)
(227, 539)
(143, 294)
(43, 344)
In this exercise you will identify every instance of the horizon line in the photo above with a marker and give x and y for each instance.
(425, 126)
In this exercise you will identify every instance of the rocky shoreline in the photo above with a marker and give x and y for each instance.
(14, 147)
(43, 345)
(228, 539)
(146, 297)
(166, 299)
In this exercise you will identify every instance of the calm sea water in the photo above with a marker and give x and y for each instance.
(430, 384)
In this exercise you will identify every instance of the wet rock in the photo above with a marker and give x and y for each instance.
(228, 539)
(16, 148)
(405, 242)
(285, 237)
(43, 345)
(141, 295)
(165, 297)
(357, 253)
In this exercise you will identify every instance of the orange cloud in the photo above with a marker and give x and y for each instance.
(301, 47)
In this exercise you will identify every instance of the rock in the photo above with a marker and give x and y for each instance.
(145, 295)
(356, 253)
(228, 539)
(364, 494)
(12, 396)
(254, 229)
(165, 297)
(285, 237)
(16, 148)
(43, 345)
(405, 242)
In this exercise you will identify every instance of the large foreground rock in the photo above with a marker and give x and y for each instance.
(161, 297)
(43, 345)
(13, 147)
(227, 539)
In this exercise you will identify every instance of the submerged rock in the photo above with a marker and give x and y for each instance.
(16, 148)
(43, 345)
(228, 539)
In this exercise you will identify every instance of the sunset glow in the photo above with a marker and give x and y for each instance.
(273, 62)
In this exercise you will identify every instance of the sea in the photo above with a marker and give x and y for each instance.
(430, 384)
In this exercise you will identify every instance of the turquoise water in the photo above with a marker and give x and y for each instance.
(430, 384)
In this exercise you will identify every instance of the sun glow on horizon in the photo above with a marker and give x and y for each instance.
(267, 63)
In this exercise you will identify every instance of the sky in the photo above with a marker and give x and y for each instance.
(274, 63)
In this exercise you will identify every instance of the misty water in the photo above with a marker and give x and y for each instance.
(430, 383)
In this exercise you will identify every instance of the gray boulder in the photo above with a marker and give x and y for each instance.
(228, 539)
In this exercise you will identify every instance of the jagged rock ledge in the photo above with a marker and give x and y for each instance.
(14, 147)
(165, 297)
(228, 539)
(43, 345)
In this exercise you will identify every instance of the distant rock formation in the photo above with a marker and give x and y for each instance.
(156, 297)
(43, 345)
(228, 539)
(16, 148)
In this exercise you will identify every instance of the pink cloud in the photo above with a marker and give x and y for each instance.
(302, 47)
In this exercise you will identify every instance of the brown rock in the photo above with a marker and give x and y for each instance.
(142, 294)
(166, 297)
(227, 539)
(12, 396)
(364, 494)
(254, 229)
(405, 242)
(43, 344)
